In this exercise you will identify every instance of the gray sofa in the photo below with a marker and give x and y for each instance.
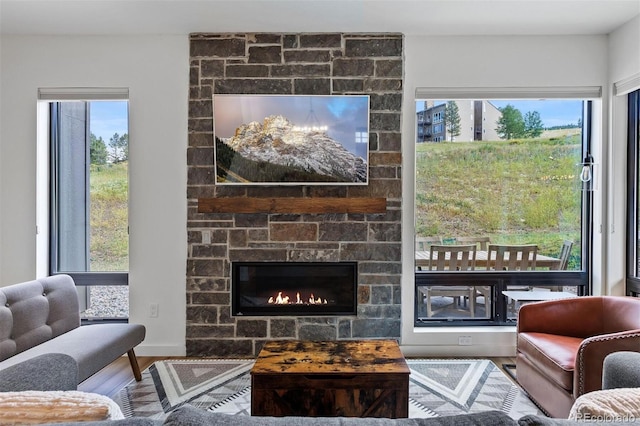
(59, 372)
(191, 416)
(43, 317)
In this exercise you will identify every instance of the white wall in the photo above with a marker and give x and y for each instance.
(156, 71)
(515, 61)
(624, 51)
(624, 60)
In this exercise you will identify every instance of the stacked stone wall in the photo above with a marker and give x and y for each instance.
(308, 64)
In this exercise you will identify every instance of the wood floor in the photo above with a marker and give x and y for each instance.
(111, 379)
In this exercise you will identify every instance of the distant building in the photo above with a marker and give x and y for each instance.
(478, 122)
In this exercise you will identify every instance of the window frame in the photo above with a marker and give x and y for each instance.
(633, 190)
(49, 96)
(499, 280)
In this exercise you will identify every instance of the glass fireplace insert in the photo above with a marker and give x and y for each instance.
(294, 288)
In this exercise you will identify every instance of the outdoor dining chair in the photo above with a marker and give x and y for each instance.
(520, 257)
(565, 251)
(450, 258)
(512, 257)
(563, 264)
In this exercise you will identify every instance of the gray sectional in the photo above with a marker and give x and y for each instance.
(57, 372)
(43, 317)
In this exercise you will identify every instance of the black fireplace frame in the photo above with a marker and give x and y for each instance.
(350, 308)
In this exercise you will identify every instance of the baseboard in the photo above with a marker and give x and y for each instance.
(446, 351)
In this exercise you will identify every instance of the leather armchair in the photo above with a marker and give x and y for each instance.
(561, 346)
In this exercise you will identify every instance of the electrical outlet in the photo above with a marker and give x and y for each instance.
(153, 310)
(465, 340)
(206, 237)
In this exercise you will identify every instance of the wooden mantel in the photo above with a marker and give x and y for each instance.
(291, 205)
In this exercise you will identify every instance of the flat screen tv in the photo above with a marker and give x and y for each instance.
(291, 139)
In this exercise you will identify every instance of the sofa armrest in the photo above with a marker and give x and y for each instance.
(49, 372)
(592, 353)
(621, 370)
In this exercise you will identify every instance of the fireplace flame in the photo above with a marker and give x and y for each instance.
(281, 299)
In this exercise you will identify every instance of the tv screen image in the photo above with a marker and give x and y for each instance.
(291, 139)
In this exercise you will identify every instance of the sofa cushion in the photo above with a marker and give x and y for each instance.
(37, 407)
(608, 405)
(554, 355)
(80, 343)
(190, 416)
(49, 372)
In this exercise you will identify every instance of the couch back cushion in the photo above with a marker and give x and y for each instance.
(36, 311)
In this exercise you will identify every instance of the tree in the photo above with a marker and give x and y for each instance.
(124, 143)
(452, 119)
(533, 124)
(119, 147)
(511, 123)
(97, 150)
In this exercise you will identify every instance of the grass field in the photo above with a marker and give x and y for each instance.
(517, 191)
(109, 189)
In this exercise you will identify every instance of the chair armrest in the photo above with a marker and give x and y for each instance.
(621, 370)
(49, 372)
(591, 354)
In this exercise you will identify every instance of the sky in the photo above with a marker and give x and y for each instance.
(107, 118)
(553, 112)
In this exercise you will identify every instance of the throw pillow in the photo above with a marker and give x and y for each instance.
(36, 407)
(622, 404)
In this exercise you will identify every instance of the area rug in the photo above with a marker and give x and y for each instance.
(436, 388)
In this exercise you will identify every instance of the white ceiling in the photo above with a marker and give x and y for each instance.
(412, 17)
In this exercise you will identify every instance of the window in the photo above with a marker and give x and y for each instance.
(633, 195)
(89, 186)
(362, 137)
(518, 183)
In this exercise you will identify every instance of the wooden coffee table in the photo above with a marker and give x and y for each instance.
(364, 378)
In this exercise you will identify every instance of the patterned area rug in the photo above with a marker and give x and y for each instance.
(436, 388)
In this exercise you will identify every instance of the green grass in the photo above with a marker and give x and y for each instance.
(109, 188)
(517, 191)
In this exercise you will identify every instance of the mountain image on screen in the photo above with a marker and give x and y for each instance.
(277, 151)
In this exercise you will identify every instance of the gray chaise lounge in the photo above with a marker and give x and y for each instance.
(43, 316)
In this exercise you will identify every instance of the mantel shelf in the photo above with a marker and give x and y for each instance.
(292, 205)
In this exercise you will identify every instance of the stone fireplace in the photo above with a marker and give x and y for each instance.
(342, 230)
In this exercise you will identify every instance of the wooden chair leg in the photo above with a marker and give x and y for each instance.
(134, 365)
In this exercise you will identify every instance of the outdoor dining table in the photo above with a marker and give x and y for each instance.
(422, 260)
